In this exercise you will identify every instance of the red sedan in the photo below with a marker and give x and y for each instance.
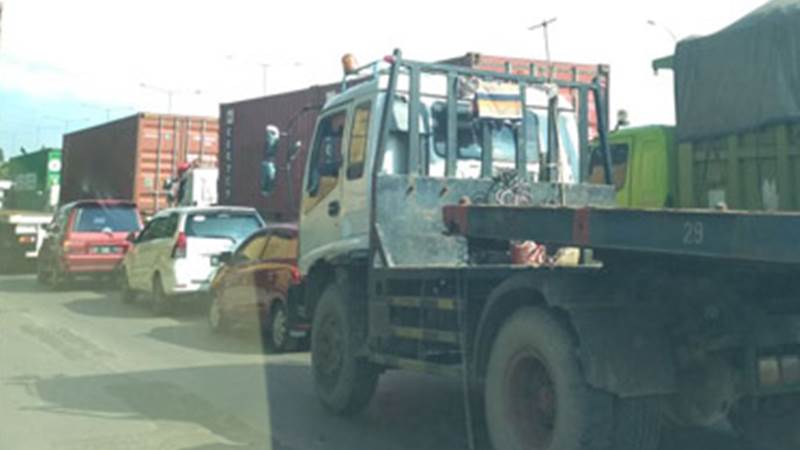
(257, 284)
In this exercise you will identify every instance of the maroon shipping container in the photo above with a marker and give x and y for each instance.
(130, 158)
(243, 124)
(242, 136)
(565, 71)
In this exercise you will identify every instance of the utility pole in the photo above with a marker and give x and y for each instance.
(544, 26)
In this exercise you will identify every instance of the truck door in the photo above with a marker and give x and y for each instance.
(321, 207)
(354, 221)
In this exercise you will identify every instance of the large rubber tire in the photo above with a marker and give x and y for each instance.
(536, 397)
(771, 426)
(160, 302)
(344, 383)
(278, 338)
(126, 294)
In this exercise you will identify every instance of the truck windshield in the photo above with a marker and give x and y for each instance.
(99, 218)
(222, 225)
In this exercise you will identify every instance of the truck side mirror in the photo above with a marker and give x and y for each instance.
(272, 140)
(294, 150)
(268, 176)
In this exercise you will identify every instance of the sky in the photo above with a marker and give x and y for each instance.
(66, 65)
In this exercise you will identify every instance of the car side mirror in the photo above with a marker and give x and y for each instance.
(225, 257)
(272, 140)
(132, 236)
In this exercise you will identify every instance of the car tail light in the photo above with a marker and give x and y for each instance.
(296, 276)
(179, 250)
(26, 239)
(74, 248)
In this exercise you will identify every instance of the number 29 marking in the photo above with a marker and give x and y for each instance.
(693, 233)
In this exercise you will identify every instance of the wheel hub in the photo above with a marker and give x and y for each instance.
(531, 400)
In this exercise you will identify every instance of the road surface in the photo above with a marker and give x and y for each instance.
(79, 370)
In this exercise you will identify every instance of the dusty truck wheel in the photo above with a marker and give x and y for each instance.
(772, 425)
(537, 399)
(344, 383)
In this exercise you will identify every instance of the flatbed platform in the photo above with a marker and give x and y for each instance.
(725, 235)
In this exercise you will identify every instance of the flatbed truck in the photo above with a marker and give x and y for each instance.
(669, 317)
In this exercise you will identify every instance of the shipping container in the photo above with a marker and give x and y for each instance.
(36, 178)
(564, 71)
(131, 158)
(243, 136)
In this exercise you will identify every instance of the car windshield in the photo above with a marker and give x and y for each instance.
(227, 225)
(101, 218)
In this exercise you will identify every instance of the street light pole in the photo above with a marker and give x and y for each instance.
(264, 68)
(653, 23)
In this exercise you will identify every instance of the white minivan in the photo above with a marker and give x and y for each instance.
(172, 256)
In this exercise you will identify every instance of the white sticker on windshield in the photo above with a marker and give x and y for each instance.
(199, 219)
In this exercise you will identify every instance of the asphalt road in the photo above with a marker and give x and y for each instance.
(80, 370)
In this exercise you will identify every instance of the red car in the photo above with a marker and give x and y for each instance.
(256, 284)
(86, 237)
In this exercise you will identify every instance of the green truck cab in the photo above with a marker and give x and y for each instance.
(645, 166)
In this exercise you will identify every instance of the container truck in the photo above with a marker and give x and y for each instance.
(668, 318)
(29, 198)
(131, 158)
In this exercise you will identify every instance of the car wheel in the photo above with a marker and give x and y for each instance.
(536, 396)
(279, 338)
(41, 275)
(126, 294)
(160, 303)
(217, 322)
(58, 280)
(344, 382)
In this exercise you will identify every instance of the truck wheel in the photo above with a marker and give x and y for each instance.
(160, 303)
(536, 396)
(279, 339)
(771, 426)
(126, 294)
(344, 383)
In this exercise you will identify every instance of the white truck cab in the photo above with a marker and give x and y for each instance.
(334, 213)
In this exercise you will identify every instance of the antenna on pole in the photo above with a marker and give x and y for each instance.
(544, 26)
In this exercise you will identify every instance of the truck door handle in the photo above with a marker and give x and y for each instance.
(334, 208)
